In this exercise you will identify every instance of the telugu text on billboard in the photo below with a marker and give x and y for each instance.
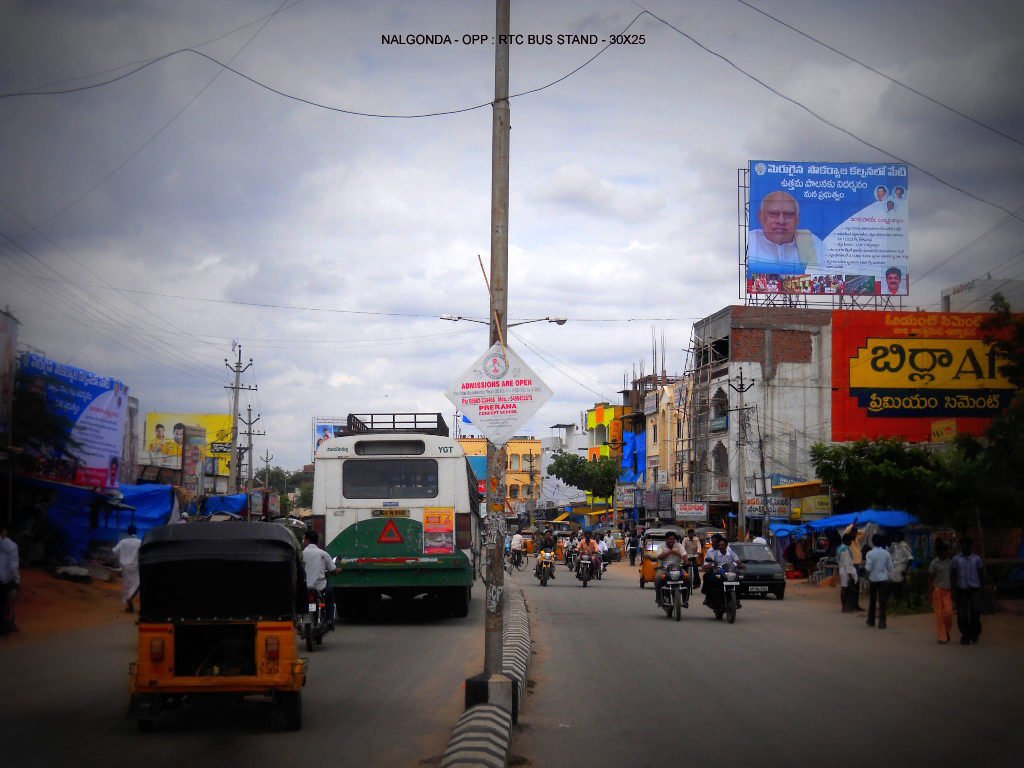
(828, 228)
(324, 428)
(895, 373)
(165, 436)
(92, 407)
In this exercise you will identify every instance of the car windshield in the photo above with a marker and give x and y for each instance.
(753, 553)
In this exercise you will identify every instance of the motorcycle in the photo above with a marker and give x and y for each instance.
(547, 566)
(314, 623)
(571, 556)
(584, 570)
(675, 592)
(723, 595)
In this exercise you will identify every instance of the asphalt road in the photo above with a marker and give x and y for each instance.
(794, 683)
(383, 692)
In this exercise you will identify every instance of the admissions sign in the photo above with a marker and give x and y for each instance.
(498, 394)
(828, 228)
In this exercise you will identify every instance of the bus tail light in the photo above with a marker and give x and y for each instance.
(156, 649)
(273, 648)
(463, 535)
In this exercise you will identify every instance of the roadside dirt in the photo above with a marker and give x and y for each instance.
(47, 605)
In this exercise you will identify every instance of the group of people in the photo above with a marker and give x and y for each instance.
(718, 553)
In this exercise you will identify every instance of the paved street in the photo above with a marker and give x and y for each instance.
(790, 683)
(383, 692)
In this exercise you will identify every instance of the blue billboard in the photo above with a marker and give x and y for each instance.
(828, 228)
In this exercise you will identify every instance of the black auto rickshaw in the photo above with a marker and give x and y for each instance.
(217, 618)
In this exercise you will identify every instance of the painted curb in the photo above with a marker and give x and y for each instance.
(483, 734)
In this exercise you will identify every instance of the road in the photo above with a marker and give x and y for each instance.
(794, 683)
(386, 691)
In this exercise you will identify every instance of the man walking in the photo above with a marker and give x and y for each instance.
(967, 581)
(127, 551)
(878, 563)
(939, 576)
(848, 584)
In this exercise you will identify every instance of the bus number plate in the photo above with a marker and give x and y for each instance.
(390, 512)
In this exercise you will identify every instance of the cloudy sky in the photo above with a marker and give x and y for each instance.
(147, 222)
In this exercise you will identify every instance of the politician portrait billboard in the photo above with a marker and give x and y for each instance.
(165, 439)
(828, 228)
(898, 374)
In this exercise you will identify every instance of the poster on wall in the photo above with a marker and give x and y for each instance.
(92, 407)
(896, 373)
(438, 530)
(828, 228)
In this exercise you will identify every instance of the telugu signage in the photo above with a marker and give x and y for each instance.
(498, 394)
(896, 373)
(828, 228)
(324, 428)
(691, 510)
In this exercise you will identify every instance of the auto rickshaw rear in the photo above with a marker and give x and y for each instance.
(217, 618)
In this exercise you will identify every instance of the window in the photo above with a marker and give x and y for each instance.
(389, 479)
(654, 431)
(513, 491)
(515, 462)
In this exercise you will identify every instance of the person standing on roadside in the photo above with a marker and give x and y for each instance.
(878, 563)
(127, 551)
(849, 586)
(10, 579)
(940, 574)
(902, 558)
(632, 542)
(967, 579)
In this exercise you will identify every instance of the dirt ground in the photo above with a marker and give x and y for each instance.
(47, 605)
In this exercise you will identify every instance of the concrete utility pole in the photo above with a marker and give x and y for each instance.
(742, 445)
(248, 444)
(238, 370)
(493, 686)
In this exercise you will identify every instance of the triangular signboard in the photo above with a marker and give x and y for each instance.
(390, 534)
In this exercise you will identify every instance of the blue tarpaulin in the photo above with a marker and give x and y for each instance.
(479, 465)
(237, 503)
(634, 454)
(884, 518)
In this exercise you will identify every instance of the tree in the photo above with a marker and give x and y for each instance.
(595, 477)
(35, 427)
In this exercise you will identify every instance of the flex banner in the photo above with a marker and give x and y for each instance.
(895, 373)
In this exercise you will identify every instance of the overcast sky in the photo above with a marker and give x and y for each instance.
(147, 222)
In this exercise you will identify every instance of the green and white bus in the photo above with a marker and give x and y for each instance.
(401, 511)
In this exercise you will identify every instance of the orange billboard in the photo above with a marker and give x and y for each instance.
(895, 373)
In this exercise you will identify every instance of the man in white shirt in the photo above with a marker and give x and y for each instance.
(602, 551)
(517, 545)
(318, 564)
(720, 554)
(10, 579)
(127, 551)
(878, 564)
(778, 247)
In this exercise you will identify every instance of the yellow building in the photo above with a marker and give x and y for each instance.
(523, 477)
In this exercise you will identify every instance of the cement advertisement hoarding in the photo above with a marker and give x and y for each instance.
(93, 408)
(896, 373)
(828, 228)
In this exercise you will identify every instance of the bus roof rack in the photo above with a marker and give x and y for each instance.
(412, 423)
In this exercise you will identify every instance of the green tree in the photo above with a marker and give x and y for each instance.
(595, 477)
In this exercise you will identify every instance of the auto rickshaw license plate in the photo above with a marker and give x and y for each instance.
(312, 607)
(758, 589)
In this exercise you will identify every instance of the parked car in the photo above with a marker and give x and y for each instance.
(762, 575)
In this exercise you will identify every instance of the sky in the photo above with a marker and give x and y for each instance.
(148, 222)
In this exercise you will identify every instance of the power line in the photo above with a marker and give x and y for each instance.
(883, 75)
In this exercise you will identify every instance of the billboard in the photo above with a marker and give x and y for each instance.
(828, 228)
(165, 436)
(192, 465)
(896, 373)
(325, 428)
(92, 407)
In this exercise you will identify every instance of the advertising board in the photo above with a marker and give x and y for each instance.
(691, 510)
(165, 436)
(895, 373)
(324, 428)
(193, 444)
(828, 228)
(92, 408)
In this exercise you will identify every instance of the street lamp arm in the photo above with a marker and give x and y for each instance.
(555, 320)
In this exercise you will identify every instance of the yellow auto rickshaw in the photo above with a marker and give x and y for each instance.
(217, 617)
(653, 539)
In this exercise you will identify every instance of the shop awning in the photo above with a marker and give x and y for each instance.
(792, 490)
(562, 517)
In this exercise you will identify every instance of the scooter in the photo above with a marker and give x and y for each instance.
(584, 571)
(723, 596)
(675, 592)
(546, 567)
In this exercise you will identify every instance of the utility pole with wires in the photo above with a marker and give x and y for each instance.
(248, 443)
(266, 459)
(235, 389)
(742, 447)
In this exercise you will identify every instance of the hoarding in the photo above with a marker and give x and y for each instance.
(193, 443)
(896, 373)
(165, 435)
(324, 428)
(92, 407)
(828, 228)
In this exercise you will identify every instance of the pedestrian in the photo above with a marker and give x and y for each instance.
(849, 586)
(941, 587)
(10, 580)
(632, 542)
(902, 557)
(967, 578)
(127, 551)
(878, 563)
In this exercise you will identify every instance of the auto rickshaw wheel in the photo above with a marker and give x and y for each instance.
(291, 703)
(145, 725)
(307, 634)
(642, 582)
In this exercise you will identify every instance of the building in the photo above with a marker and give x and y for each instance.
(524, 479)
(555, 495)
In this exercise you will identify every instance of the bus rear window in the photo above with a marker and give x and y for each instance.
(390, 448)
(389, 479)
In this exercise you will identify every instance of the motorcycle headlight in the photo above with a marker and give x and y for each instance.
(675, 574)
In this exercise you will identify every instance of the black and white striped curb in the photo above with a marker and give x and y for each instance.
(483, 735)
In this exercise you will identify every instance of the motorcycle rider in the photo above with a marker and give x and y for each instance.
(632, 544)
(602, 550)
(547, 542)
(721, 554)
(692, 550)
(318, 564)
(669, 552)
(589, 547)
(518, 544)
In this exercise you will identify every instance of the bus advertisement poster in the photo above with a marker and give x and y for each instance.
(438, 530)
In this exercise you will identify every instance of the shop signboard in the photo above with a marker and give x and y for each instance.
(691, 511)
